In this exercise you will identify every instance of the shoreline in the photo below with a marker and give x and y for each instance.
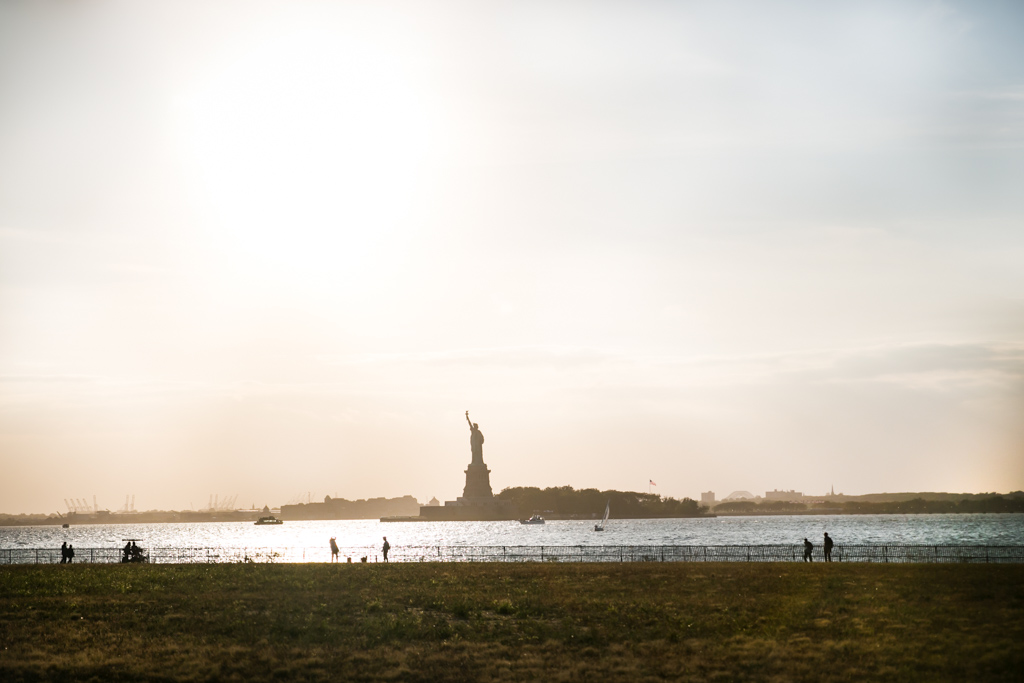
(9, 523)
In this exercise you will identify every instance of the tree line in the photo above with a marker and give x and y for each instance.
(852, 507)
(565, 500)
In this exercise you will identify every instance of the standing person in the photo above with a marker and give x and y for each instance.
(64, 552)
(386, 548)
(334, 550)
(828, 548)
(71, 554)
(808, 547)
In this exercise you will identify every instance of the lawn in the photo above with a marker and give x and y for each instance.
(498, 622)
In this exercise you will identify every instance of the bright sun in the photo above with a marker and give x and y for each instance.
(308, 151)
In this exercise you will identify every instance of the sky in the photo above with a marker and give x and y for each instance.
(276, 250)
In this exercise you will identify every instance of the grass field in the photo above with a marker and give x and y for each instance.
(498, 622)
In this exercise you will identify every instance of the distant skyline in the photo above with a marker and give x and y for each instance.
(265, 249)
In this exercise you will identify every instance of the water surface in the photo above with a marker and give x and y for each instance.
(308, 540)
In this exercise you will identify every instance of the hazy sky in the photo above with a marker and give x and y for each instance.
(268, 249)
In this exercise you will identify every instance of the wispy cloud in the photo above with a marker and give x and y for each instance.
(47, 378)
(907, 363)
(1012, 93)
(890, 363)
(509, 357)
(44, 237)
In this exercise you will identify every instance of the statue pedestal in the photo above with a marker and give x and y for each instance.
(477, 502)
(478, 482)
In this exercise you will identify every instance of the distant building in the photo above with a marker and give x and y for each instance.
(789, 496)
(339, 508)
(434, 502)
(740, 495)
(707, 498)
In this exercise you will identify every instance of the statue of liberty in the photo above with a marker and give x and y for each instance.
(476, 441)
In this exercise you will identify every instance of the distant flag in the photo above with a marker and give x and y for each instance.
(652, 482)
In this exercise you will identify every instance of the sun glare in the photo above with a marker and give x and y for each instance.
(307, 173)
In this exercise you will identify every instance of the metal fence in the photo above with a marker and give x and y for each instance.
(895, 553)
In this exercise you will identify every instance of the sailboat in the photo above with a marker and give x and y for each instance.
(607, 509)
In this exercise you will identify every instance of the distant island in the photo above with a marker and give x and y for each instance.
(339, 508)
(147, 517)
(565, 502)
(331, 508)
(879, 504)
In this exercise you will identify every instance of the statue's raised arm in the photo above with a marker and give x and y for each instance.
(476, 440)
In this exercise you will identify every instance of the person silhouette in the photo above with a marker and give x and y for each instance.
(334, 550)
(71, 553)
(808, 547)
(64, 552)
(386, 548)
(828, 548)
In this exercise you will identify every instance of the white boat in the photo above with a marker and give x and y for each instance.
(607, 509)
(269, 519)
(536, 519)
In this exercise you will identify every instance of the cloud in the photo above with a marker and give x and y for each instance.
(503, 357)
(922, 366)
(931, 359)
(47, 379)
(1013, 93)
(41, 236)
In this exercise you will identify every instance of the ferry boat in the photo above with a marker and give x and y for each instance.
(269, 519)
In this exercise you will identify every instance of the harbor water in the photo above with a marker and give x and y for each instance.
(308, 540)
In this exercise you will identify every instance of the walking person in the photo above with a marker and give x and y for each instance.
(71, 554)
(828, 548)
(808, 547)
(64, 552)
(386, 548)
(334, 550)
